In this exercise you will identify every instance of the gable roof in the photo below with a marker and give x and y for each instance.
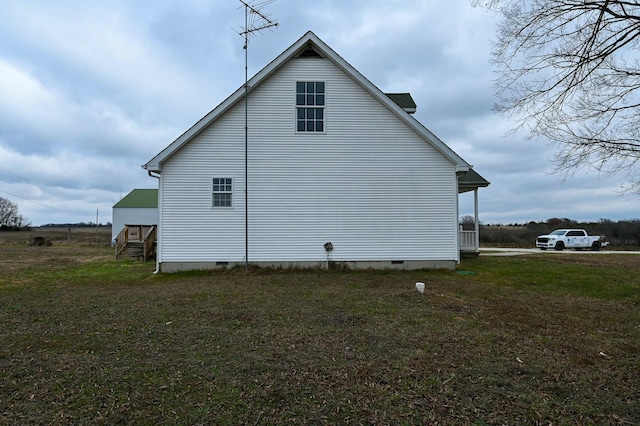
(139, 199)
(308, 45)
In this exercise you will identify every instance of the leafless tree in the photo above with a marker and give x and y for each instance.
(10, 217)
(569, 72)
(468, 222)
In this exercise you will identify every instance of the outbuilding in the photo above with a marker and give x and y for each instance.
(138, 208)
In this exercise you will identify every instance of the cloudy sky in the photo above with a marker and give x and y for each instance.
(92, 89)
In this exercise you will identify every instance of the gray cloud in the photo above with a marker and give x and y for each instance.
(89, 91)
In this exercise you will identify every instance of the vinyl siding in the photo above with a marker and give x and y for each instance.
(370, 184)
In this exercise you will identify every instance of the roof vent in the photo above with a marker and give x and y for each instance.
(309, 52)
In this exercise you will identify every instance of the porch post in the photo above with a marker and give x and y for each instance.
(476, 224)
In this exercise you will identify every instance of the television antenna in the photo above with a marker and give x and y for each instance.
(259, 21)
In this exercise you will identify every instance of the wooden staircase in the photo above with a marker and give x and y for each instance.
(136, 242)
(132, 250)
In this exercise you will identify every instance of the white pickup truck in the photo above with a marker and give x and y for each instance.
(570, 238)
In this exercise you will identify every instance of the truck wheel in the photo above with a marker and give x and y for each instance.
(595, 246)
(559, 246)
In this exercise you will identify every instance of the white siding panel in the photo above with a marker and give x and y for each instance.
(370, 185)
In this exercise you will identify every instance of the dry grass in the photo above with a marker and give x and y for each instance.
(526, 340)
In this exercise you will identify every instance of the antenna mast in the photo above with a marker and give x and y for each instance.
(259, 21)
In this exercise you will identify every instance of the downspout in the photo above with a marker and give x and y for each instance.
(157, 176)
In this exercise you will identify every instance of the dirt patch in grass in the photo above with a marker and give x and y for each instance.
(100, 341)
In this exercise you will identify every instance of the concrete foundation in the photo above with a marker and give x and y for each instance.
(406, 265)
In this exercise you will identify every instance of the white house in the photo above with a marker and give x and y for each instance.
(336, 171)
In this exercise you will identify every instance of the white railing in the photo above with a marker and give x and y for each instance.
(468, 241)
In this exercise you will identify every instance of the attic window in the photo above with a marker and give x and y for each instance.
(310, 100)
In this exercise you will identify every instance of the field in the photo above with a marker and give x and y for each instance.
(59, 234)
(544, 339)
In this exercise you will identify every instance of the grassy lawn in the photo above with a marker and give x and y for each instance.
(548, 339)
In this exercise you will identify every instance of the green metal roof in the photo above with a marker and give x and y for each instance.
(471, 180)
(139, 199)
(404, 101)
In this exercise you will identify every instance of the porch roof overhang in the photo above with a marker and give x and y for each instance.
(470, 181)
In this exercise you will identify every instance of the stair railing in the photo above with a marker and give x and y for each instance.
(121, 240)
(149, 241)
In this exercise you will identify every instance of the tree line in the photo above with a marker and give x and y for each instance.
(12, 220)
(622, 233)
(77, 225)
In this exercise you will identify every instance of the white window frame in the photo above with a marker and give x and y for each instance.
(305, 106)
(222, 186)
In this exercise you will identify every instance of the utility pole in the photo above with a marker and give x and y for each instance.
(259, 21)
(97, 226)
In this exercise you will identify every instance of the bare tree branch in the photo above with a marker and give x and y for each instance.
(569, 71)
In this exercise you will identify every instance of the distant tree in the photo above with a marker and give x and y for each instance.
(569, 72)
(468, 222)
(10, 218)
(556, 223)
(624, 233)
